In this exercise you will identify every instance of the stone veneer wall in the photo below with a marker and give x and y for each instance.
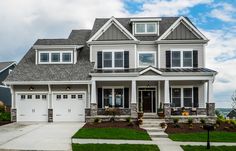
(13, 115)
(134, 111)
(210, 109)
(121, 112)
(50, 115)
(167, 110)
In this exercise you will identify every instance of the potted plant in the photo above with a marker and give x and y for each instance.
(160, 111)
(140, 113)
(163, 125)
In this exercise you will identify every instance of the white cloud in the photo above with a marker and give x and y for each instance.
(224, 12)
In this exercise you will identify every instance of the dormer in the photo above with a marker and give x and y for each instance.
(145, 26)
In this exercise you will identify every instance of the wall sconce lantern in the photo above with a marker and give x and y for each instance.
(31, 88)
(67, 88)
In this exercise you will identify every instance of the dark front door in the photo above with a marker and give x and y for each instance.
(147, 101)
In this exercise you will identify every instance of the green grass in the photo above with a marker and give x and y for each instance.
(114, 147)
(112, 133)
(213, 148)
(202, 137)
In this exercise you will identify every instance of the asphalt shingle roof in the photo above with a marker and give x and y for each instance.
(3, 65)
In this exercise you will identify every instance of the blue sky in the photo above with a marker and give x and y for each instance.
(22, 22)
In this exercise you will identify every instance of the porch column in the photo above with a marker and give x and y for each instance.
(50, 110)
(13, 103)
(133, 100)
(87, 109)
(210, 106)
(167, 109)
(93, 104)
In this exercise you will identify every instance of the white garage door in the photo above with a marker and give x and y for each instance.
(69, 106)
(32, 107)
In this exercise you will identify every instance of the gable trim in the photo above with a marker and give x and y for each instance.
(150, 68)
(7, 66)
(111, 21)
(187, 24)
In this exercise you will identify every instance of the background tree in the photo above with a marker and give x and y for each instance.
(234, 100)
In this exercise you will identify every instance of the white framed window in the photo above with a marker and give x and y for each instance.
(65, 96)
(80, 96)
(181, 58)
(182, 96)
(58, 97)
(113, 97)
(37, 96)
(44, 97)
(147, 58)
(29, 96)
(113, 59)
(55, 57)
(22, 97)
(146, 28)
(73, 96)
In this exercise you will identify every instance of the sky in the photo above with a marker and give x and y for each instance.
(25, 21)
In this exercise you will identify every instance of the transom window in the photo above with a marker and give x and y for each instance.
(55, 57)
(147, 59)
(146, 28)
(182, 97)
(113, 97)
(113, 59)
(180, 59)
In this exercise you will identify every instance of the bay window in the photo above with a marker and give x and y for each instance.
(181, 58)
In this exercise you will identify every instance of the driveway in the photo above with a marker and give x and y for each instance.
(37, 136)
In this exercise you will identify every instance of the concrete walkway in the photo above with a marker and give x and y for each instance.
(38, 136)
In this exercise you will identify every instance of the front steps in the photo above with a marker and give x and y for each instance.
(153, 128)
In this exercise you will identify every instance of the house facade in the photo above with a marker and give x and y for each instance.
(131, 64)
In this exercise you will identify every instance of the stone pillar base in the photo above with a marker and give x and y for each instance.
(50, 115)
(93, 109)
(210, 109)
(167, 110)
(13, 115)
(134, 112)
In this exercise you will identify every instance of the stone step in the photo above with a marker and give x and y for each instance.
(150, 125)
(152, 122)
(158, 134)
(150, 117)
(154, 129)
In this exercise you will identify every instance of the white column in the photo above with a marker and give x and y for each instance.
(13, 102)
(167, 93)
(210, 91)
(93, 92)
(89, 98)
(133, 93)
(49, 97)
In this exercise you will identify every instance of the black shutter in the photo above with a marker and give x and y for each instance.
(195, 97)
(167, 59)
(99, 97)
(99, 59)
(170, 96)
(126, 97)
(195, 58)
(126, 59)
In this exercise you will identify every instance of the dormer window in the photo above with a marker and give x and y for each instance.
(55, 57)
(146, 28)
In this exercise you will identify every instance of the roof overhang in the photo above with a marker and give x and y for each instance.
(145, 19)
(57, 46)
(45, 82)
(8, 66)
(182, 41)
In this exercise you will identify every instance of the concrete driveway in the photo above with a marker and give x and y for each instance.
(37, 136)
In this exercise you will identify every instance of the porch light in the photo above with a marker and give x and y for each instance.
(31, 88)
(67, 88)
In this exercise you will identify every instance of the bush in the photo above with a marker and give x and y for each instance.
(2, 109)
(128, 119)
(227, 121)
(219, 121)
(190, 120)
(5, 116)
(176, 120)
(97, 120)
(202, 120)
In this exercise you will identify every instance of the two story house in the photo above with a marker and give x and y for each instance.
(133, 64)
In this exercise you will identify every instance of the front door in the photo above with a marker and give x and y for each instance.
(147, 100)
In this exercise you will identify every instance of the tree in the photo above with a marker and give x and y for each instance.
(234, 100)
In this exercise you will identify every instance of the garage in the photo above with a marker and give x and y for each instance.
(69, 106)
(32, 107)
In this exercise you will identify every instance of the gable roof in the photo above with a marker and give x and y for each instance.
(5, 65)
(150, 68)
(232, 114)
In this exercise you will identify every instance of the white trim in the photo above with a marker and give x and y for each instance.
(60, 53)
(57, 46)
(36, 56)
(145, 19)
(112, 20)
(8, 66)
(148, 52)
(150, 68)
(158, 28)
(159, 94)
(159, 55)
(145, 28)
(204, 55)
(75, 56)
(113, 95)
(91, 53)
(4, 86)
(181, 57)
(174, 25)
(135, 56)
(112, 51)
(45, 82)
(182, 87)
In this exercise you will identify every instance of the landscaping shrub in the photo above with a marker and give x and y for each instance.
(128, 119)
(202, 120)
(5, 116)
(175, 120)
(97, 120)
(227, 121)
(2, 109)
(219, 121)
(190, 120)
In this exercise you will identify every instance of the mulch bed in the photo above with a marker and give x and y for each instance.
(185, 128)
(4, 122)
(115, 124)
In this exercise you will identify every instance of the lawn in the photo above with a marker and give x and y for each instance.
(112, 133)
(213, 148)
(202, 137)
(113, 147)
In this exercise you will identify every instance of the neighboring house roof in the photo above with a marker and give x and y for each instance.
(5, 65)
(232, 114)
(27, 70)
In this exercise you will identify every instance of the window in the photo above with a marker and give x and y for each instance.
(107, 61)
(58, 97)
(55, 57)
(44, 57)
(65, 96)
(176, 97)
(44, 97)
(147, 59)
(80, 96)
(22, 97)
(113, 97)
(146, 28)
(181, 58)
(188, 97)
(73, 96)
(29, 96)
(37, 96)
(113, 59)
(66, 57)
